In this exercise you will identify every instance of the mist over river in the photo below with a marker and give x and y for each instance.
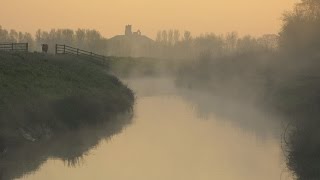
(172, 137)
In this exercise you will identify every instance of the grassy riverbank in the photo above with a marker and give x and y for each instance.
(42, 95)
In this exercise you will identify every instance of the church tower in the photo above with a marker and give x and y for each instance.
(128, 30)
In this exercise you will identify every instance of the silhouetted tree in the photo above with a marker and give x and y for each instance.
(269, 41)
(231, 41)
(208, 43)
(176, 36)
(187, 36)
(301, 27)
(164, 37)
(13, 36)
(170, 37)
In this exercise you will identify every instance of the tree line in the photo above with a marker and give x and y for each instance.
(87, 39)
(299, 34)
(284, 81)
(173, 43)
(168, 43)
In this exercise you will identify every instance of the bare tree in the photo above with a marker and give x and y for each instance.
(187, 36)
(164, 37)
(176, 36)
(170, 37)
(231, 41)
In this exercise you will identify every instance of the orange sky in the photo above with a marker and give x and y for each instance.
(254, 17)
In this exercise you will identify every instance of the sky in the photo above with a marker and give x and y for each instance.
(254, 17)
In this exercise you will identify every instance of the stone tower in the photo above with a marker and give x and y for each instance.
(128, 30)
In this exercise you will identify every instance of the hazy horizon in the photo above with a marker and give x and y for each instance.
(255, 19)
(225, 90)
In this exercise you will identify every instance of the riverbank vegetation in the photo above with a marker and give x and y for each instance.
(43, 95)
(285, 80)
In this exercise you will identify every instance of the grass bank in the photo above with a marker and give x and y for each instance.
(42, 95)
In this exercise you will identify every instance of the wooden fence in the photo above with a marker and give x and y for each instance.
(15, 47)
(64, 49)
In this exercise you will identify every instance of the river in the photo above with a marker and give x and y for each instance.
(171, 139)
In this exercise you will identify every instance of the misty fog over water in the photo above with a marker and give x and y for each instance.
(170, 138)
(196, 106)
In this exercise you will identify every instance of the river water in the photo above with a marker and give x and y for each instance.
(172, 138)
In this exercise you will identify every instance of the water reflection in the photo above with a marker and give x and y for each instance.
(69, 147)
(169, 140)
(247, 116)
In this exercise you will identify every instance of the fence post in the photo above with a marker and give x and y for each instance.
(77, 51)
(56, 49)
(12, 47)
(64, 49)
(27, 47)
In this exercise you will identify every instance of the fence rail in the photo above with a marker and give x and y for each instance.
(64, 49)
(17, 47)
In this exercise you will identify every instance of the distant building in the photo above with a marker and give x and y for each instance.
(128, 31)
(132, 44)
(138, 33)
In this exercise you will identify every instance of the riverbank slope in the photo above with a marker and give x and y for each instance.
(42, 95)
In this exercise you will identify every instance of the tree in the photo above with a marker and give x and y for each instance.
(4, 35)
(208, 43)
(170, 37)
(176, 36)
(80, 36)
(269, 41)
(187, 36)
(301, 27)
(164, 37)
(67, 36)
(38, 36)
(231, 41)
(13, 36)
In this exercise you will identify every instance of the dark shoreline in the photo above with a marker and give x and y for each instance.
(49, 103)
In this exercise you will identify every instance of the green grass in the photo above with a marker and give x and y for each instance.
(43, 94)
